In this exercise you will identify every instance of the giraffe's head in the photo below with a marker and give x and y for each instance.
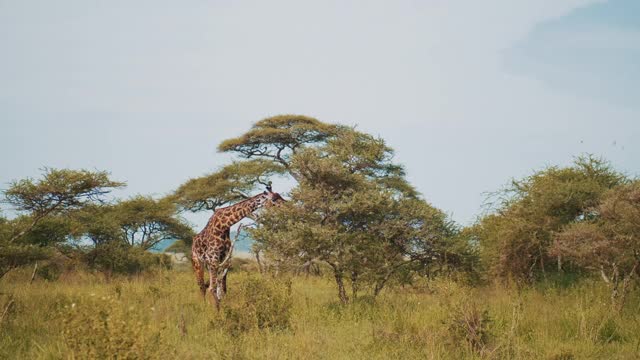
(269, 198)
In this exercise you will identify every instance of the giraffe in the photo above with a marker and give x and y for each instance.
(212, 245)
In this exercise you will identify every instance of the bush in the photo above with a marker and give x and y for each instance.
(259, 303)
(470, 324)
(13, 256)
(51, 270)
(105, 328)
(119, 258)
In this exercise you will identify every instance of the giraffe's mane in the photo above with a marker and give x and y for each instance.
(243, 201)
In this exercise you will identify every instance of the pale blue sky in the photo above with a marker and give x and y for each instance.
(469, 93)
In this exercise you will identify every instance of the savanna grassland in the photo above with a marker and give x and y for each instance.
(161, 315)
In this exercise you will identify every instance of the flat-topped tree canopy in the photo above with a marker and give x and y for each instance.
(350, 153)
(58, 191)
(278, 137)
(231, 183)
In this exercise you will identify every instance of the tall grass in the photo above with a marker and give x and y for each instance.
(163, 316)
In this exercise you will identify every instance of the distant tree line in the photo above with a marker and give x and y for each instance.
(65, 217)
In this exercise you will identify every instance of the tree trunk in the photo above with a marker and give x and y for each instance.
(615, 282)
(380, 284)
(625, 287)
(559, 263)
(544, 273)
(354, 285)
(260, 268)
(342, 293)
(27, 229)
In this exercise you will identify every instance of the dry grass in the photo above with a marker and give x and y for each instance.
(162, 316)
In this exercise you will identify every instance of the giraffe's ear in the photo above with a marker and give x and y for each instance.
(265, 192)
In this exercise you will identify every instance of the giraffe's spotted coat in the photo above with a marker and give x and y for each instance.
(211, 245)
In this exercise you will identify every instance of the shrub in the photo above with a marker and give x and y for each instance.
(259, 303)
(470, 324)
(119, 258)
(105, 328)
(563, 355)
(609, 331)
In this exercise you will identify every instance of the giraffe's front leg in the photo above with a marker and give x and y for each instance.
(198, 269)
(213, 284)
(220, 289)
(224, 280)
(222, 286)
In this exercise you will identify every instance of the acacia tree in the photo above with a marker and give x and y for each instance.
(347, 213)
(145, 222)
(43, 205)
(515, 238)
(15, 254)
(267, 149)
(609, 242)
(141, 222)
(57, 192)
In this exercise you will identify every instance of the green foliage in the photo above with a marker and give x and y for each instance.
(106, 328)
(146, 222)
(609, 331)
(341, 214)
(277, 138)
(269, 145)
(98, 223)
(59, 190)
(120, 258)
(13, 256)
(229, 184)
(49, 231)
(140, 221)
(515, 239)
(260, 303)
(46, 202)
(608, 242)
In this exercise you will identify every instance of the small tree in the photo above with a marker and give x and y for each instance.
(57, 192)
(346, 213)
(268, 148)
(44, 204)
(12, 254)
(610, 242)
(138, 222)
(145, 222)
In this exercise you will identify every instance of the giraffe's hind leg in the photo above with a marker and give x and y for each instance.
(198, 269)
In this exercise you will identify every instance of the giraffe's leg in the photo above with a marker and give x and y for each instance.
(226, 253)
(224, 280)
(213, 284)
(198, 269)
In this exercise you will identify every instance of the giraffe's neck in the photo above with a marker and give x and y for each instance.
(240, 210)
